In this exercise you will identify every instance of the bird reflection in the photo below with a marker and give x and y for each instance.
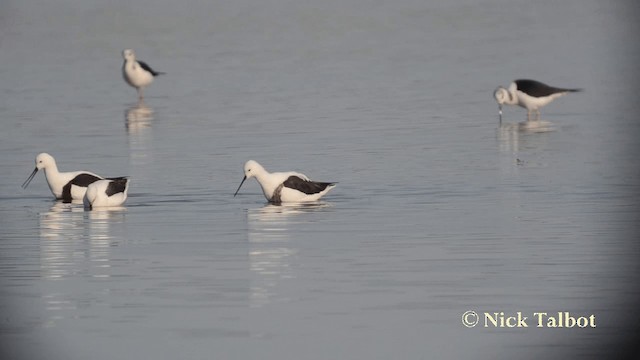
(517, 140)
(138, 120)
(270, 251)
(74, 245)
(60, 227)
(510, 135)
(138, 117)
(529, 127)
(74, 241)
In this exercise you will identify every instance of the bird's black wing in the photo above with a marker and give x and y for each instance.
(82, 180)
(538, 89)
(305, 186)
(117, 185)
(149, 69)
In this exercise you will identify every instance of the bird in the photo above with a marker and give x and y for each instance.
(285, 187)
(65, 186)
(136, 72)
(107, 192)
(529, 94)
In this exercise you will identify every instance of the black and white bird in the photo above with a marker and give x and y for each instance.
(65, 186)
(529, 94)
(285, 187)
(136, 72)
(106, 193)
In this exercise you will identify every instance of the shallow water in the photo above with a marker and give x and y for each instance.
(438, 209)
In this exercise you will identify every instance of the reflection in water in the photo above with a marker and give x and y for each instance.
(100, 239)
(509, 133)
(61, 226)
(514, 137)
(138, 117)
(270, 251)
(74, 242)
(138, 123)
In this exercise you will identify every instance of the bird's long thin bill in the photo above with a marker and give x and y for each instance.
(242, 182)
(26, 182)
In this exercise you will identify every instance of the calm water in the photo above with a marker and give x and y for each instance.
(438, 210)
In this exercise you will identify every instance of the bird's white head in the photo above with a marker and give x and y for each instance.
(501, 95)
(128, 54)
(252, 168)
(44, 160)
(90, 196)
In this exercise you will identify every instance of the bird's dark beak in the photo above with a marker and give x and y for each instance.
(26, 183)
(242, 182)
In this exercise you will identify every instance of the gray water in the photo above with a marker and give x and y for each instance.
(438, 209)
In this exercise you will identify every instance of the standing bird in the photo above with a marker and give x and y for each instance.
(136, 72)
(282, 187)
(529, 94)
(108, 192)
(65, 186)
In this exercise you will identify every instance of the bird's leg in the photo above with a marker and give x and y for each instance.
(537, 114)
(140, 97)
(528, 115)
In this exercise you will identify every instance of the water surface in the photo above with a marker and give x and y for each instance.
(438, 209)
